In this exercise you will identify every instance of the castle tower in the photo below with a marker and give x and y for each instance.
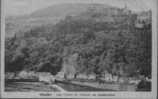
(126, 10)
(125, 7)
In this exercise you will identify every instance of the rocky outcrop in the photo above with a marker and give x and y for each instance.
(69, 64)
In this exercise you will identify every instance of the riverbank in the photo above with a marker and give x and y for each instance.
(29, 87)
(43, 87)
(66, 85)
(104, 86)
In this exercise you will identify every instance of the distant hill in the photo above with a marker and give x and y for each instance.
(54, 13)
(63, 10)
(49, 15)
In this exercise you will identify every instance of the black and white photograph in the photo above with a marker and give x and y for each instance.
(78, 47)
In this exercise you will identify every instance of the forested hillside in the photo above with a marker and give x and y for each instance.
(105, 42)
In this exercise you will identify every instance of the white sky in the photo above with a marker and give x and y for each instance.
(20, 7)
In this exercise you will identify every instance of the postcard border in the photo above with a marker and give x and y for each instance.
(138, 95)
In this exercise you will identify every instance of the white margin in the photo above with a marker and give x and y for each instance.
(122, 94)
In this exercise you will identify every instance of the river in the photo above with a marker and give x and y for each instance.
(39, 86)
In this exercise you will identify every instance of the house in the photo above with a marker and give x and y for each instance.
(91, 76)
(134, 81)
(143, 19)
(9, 75)
(27, 75)
(70, 76)
(82, 76)
(126, 10)
(60, 75)
(115, 78)
(23, 74)
(108, 77)
(46, 77)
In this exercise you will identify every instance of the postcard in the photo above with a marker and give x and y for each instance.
(79, 49)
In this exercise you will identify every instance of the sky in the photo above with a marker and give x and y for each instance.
(21, 7)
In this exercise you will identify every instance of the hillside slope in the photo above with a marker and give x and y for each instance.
(49, 15)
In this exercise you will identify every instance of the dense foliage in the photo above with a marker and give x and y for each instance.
(116, 47)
